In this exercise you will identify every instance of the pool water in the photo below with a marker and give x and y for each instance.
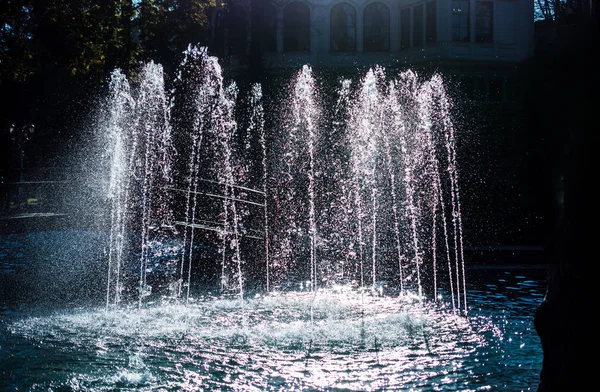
(57, 335)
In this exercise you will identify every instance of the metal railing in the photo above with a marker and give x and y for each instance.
(54, 191)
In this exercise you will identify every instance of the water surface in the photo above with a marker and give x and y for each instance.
(59, 338)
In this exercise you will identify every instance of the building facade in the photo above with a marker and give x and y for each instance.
(482, 48)
(351, 33)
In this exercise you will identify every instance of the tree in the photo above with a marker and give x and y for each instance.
(166, 27)
(83, 36)
(55, 55)
(16, 54)
(86, 37)
(559, 10)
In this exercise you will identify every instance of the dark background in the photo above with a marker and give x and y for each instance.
(511, 157)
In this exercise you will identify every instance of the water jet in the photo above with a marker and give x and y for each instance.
(318, 246)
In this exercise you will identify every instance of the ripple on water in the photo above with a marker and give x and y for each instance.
(293, 340)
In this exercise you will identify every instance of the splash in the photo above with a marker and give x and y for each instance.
(140, 173)
(363, 192)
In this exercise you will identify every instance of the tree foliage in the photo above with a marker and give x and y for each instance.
(16, 27)
(561, 10)
(55, 57)
(84, 37)
(165, 27)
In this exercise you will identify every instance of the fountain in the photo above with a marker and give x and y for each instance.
(400, 162)
(318, 246)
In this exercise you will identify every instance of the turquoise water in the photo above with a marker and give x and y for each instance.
(60, 337)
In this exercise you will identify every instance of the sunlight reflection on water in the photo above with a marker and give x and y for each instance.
(284, 341)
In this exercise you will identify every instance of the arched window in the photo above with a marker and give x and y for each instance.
(376, 28)
(220, 32)
(296, 27)
(343, 28)
(237, 30)
(460, 21)
(418, 13)
(267, 27)
(484, 21)
(405, 28)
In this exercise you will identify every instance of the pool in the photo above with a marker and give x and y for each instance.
(57, 334)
